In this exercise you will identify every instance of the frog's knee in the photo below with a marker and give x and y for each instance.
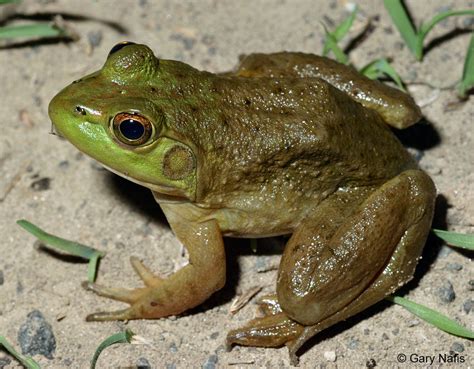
(305, 309)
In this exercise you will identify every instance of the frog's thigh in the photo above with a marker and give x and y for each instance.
(334, 269)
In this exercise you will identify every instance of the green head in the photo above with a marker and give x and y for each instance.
(117, 115)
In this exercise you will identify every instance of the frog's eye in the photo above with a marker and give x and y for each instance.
(132, 129)
(120, 46)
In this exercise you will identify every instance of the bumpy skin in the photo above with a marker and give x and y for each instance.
(288, 143)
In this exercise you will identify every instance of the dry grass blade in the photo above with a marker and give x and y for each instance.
(243, 299)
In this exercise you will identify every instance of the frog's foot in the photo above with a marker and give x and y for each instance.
(130, 296)
(274, 330)
(183, 290)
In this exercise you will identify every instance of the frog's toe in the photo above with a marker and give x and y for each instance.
(269, 305)
(124, 314)
(146, 275)
(119, 294)
(270, 331)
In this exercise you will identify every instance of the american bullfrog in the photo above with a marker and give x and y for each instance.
(286, 144)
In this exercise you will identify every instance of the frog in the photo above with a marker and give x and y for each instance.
(286, 143)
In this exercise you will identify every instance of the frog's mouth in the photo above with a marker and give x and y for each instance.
(55, 132)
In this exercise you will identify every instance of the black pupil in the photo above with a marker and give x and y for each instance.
(132, 129)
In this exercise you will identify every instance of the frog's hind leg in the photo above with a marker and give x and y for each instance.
(341, 261)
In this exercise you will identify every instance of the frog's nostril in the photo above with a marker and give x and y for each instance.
(80, 110)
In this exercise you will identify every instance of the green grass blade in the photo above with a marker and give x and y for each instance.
(26, 361)
(331, 41)
(31, 30)
(465, 241)
(467, 81)
(427, 26)
(403, 23)
(8, 1)
(122, 337)
(340, 31)
(70, 247)
(433, 317)
(380, 67)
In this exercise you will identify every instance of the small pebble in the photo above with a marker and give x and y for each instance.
(454, 267)
(214, 335)
(396, 331)
(2, 279)
(64, 164)
(94, 38)
(143, 363)
(352, 343)
(41, 184)
(371, 363)
(172, 347)
(211, 362)
(457, 347)
(467, 306)
(330, 356)
(446, 292)
(413, 323)
(468, 22)
(170, 366)
(36, 336)
(4, 361)
(470, 285)
(366, 331)
(385, 337)
(67, 362)
(444, 251)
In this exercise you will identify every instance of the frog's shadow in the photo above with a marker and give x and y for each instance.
(420, 136)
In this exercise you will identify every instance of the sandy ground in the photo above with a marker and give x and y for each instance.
(47, 181)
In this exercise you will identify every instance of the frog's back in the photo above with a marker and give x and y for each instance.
(259, 125)
(282, 136)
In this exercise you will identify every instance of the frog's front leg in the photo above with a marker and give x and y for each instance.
(346, 256)
(185, 289)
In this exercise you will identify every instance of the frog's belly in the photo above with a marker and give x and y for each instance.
(252, 223)
(237, 223)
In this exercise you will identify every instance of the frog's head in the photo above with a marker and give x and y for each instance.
(117, 116)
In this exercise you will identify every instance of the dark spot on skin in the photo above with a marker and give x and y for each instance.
(41, 184)
(80, 110)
